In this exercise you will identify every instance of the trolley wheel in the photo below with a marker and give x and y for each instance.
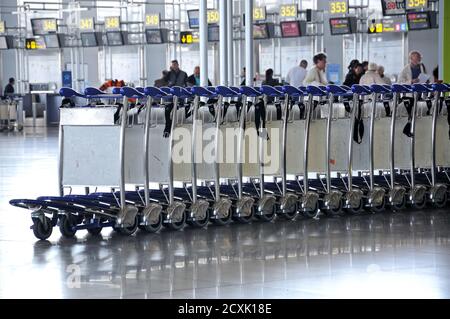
(312, 213)
(268, 217)
(356, 210)
(420, 205)
(152, 228)
(400, 206)
(441, 203)
(223, 221)
(379, 209)
(245, 219)
(336, 211)
(178, 225)
(66, 226)
(95, 231)
(128, 231)
(290, 214)
(42, 229)
(200, 223)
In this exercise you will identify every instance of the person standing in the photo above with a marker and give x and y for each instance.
(297, 74)
(413, 70)
(194, 79)
(176, 77)
(317, 76)
(9, 88)
(269, 79)
(383, 77)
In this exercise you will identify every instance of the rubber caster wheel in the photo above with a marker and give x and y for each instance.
(152, 228)
(311, 214)
(355, 210)
(421, 205)
(399, 207)
(245, 219)
(223, 221)
(268, 217)
(128, 231)
(379, 209)
(42, 229)
(441, 203)
(200, 223)
(177, 225)
(336, 211)
(95, 231)
(66, 226)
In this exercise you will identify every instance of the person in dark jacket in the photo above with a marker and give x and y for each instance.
(194, 79)
(269, 79)
(176, 77)
(355, 71)
(162, 82)
(9, 88)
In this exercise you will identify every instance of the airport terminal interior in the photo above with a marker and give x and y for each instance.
(225, 149)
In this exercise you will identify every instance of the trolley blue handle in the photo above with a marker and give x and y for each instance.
(420, 88)
(361, 90)
(154, 92)
(438, 87)
(316, 91)
(399, 88)
(380, 89)
(140, 89)
(180, 92)
(116, 90)
(271, 91)
(292, 91)
(69, 92)
(227, 91)
(337, 90)
(250, 91)
(91, 91)
(131, 93)
(202, 91)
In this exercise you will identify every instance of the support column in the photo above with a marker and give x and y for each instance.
(249, 42)
(444, 41)
(230, 44)
(223, 50)
(203, 43)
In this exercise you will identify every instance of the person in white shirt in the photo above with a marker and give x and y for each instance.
(385, 78)
(317, 76)
(297, 74)
(371, 76)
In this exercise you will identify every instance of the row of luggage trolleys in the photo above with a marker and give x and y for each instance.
(339, 149)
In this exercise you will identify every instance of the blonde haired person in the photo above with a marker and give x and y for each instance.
(371, 76)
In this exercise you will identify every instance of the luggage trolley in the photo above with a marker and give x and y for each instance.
(83, 160)
(264, 201)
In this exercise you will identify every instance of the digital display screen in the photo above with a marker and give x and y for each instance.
(3, 43)
(134, 38)
(154, 36)
(43, 26)
(416, 4)
(388, 25)
(52, 41)
(393, 7)
(114, 38)
(418, 21)
(213, 33)
(340, 26)
(194, 19)
(260, 31)
(290, 29)
(89, 39)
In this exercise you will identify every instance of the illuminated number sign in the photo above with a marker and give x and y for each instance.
(388, 25)
(49, 25)
(213, 16)
(259, 14)
(416, 4)
(338, 7)
(288, 11)
(2, 27)
(112, 23)
(87, 24)
(152, 20)
(186, 37)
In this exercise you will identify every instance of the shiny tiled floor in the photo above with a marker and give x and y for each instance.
(405, 255)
